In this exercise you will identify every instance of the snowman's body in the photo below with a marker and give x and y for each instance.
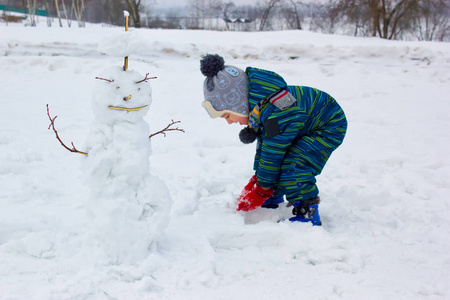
(128, 207)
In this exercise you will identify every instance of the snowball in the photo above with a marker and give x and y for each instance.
(121, 43)
(128, 208)
(117, 90)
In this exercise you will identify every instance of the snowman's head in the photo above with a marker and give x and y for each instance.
(120, 95)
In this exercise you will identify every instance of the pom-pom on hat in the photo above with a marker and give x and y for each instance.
(225, 87)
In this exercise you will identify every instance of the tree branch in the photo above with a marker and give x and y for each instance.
(146, 78)
(52, 125)
(167, 129)
(104, 79)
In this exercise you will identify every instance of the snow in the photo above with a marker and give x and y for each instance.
(123, 43)
(384, 209)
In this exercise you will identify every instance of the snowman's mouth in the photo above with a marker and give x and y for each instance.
(127, 108)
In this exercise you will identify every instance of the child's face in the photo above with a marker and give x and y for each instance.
(231, 119)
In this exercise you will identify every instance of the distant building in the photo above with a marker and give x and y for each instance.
(239, 24)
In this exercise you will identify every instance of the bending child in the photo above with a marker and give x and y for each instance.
(297, 129)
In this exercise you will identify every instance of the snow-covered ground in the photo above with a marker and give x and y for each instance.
(385, 192)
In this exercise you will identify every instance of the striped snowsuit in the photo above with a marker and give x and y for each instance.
(308, 132)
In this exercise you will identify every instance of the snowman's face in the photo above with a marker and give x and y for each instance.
(121, 96)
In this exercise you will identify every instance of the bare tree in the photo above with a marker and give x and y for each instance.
(204, 11)
(198, 13)
(31, 5)
(353, 13)
(296, 13)
(58, 13)
(112, 10)
(79, 10)
(323, 17)
(432, 20)
(213, 10)
(387, 14)
(291, 14)
(388, 18)
(268, 6)
(68, 17)
(134, 7)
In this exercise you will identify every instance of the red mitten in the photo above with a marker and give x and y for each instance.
(254, 198)
(249, 187)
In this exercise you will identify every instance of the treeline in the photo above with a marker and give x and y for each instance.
(426, 20)
(389, 19)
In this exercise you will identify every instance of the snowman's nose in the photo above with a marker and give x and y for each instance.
(127, 98)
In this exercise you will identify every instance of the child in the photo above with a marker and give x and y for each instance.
(297, 129)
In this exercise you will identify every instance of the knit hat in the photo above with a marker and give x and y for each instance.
(225, 87)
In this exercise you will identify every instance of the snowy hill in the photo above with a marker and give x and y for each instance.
(385, 191)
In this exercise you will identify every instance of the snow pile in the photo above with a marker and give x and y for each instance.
(384, 191)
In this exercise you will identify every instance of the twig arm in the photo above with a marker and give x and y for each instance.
(167, 129)
(146, 78)
(52, 126)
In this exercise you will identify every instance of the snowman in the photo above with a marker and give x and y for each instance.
(128, 208)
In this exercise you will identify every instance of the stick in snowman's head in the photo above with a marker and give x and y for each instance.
(127, 16)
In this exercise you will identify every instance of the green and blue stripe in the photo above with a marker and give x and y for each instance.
(310, 130)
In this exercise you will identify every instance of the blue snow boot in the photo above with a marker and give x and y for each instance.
(307, 211)
(273, 202)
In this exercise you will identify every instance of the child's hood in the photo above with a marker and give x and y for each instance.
(261, 84)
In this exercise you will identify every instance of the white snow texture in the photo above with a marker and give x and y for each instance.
(385, 191)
